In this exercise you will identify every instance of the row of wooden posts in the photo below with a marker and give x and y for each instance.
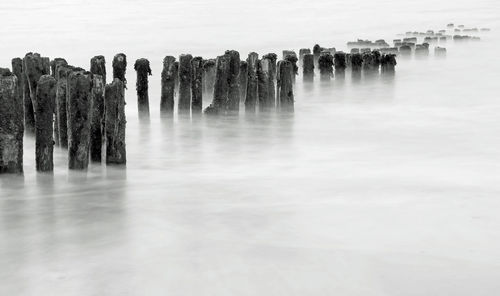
(77, 110)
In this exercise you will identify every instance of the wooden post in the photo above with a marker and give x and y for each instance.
(62, 73)
(291, 56)
(54, 64)
(243, 79)
(120, 67)
(44, 120)
(143, 70)
(98, 67)
(252, 82)
(168, 85)
(271, 84)
(78, 105)
(308, 67)
(325, 63)
(34, 66)
(17, 69)
(285, 87)
(356, 63)
(233, 102)
(97, 117)
(185, 83)
(114, 125)
(371, 62)
(317, 52)
(340, 63)
(196, 85)
(11, 125)
(302, 53)
(388, 63)
(209, 76)
(221, 86)
(266, 102)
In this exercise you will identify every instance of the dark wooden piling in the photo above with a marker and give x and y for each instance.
(11, 125)
(356, 62)
(317, 52)
(34, 66)
(62, 74)
(185, 83)
(285, 87)
(340, 64)
(302, 53)
(243, 79)
(233, 102)
(79, 99)
(196, 85)
(271, 84)
(252, 83)
(291, 56)
(97, 118)
(263, 73)
(308, 67)
(143, 70)
(388, 63)
(120, 67)
(17, 69)
(54, 64)
(44, 120)
(209, 70)
(114, 123)
(371, 62)
(168, 75)
(325, 64)
(221, 86)
(98, 66)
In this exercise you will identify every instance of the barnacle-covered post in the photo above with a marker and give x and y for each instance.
(252, 83)
(11, 125)
(79, 102)
(325, 64)
(120, 67)
(285, 86)
(114, 123)
(143, 70)
(185, 83)
(196, 85)
(97, 117)
(168, 75)
(44, 120)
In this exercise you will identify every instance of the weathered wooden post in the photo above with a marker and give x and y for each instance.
(308, 67)
(317, 52)
(143, 70)
(97, 117)
(62, 73)
(168, 86)
(221, 86)
(17, 69)
(185, 83)
(34, 66)
(302, 53)
(285, 87)
(78, 104)
(120, 67)
(291, 56)
(44, 120)
(271, 91)
(243, 79)
(252, 83)
(440, 51)
(340, 63)
(233, 102)
(114, 124)
(371, 62)
(11, 125)
(209, 76)
(54, 64)
(356, 64)
(196, 85)
(263, 73)
(325, 63)
(388, 63)
(98, 67)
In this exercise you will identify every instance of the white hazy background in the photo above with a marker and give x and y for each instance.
(388, 186)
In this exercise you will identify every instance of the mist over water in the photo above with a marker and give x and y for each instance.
(384, 186)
